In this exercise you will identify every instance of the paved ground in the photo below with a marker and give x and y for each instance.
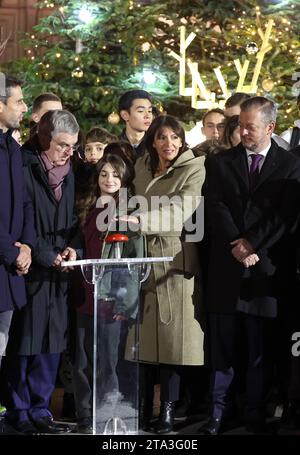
(188, 428)
(183, 426)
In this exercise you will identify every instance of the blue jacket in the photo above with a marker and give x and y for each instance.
(16, 222)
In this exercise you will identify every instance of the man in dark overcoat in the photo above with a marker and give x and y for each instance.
(40, 328)
(17, 234)
(253, 202)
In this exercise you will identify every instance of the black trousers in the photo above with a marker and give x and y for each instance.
(226, 360)
(168, 376)
(107, 378)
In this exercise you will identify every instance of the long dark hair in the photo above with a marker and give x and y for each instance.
(126, 174)
(122, 149)
(162, 121)
(231, 124)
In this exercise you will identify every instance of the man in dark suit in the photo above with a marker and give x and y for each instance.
(17, 235)
(253, 202)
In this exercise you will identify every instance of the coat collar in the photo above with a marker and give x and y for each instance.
(138, 148)
(185, 159)
(31, 159)
(6, 139)
(239, 165)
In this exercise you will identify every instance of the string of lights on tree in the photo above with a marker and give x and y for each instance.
(89, 52)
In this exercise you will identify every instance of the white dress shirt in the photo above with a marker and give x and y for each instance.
(263, 153)
(287, 134)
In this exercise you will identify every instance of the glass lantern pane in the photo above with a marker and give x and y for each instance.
(115, 408)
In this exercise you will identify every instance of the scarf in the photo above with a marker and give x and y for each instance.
(56, 174)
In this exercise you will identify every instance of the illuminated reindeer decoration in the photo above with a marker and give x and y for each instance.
(198, 88)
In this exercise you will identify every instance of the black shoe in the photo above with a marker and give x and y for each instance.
(25, 427)
(165, 421)
(46, 425)
(68, 411)
(85, 426)
(212, 427)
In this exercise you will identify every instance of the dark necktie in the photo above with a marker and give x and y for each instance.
(254, 168)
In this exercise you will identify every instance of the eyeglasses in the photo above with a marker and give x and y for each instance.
(64, 147)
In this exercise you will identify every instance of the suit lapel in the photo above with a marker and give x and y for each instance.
(239, 165)
(270, 165)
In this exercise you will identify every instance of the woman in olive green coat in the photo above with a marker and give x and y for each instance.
(171, 315)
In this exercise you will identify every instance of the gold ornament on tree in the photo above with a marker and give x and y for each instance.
(158, 110)
(146, 46)
(113, 118)
(77, 72)
(251, 48)
(135, 60)
(267, 84)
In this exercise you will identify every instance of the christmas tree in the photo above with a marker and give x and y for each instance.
(90, 52)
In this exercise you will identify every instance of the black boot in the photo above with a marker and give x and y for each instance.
(165, 421)
(145, 412)
(212, 427)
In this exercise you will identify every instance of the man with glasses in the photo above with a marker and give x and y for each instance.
(252, 202)
(213, 123)
(39, 330)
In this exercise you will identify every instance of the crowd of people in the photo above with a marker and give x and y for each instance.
(215, 324)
